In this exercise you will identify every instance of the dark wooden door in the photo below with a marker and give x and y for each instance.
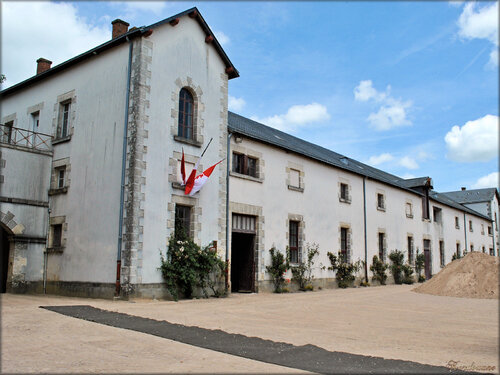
(4, 259)
(427, 255)
(242, 262)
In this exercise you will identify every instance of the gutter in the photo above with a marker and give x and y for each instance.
(124, 164)
(226, 275)
(364, 222)
(465, 233)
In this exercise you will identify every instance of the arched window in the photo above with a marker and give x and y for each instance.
(186, 110)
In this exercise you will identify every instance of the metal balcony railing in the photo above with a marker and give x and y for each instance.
(25, 138)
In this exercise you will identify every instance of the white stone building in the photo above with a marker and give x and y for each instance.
(89, 176)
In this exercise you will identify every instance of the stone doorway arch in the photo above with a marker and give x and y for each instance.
(8, 229)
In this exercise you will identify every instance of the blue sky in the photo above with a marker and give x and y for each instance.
(409, 87)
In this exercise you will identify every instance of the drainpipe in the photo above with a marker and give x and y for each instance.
(45, 253)
(465, 232)
(364, 222)
(227, 210)
(124, 164)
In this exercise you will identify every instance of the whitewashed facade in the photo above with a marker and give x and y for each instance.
(90, 190)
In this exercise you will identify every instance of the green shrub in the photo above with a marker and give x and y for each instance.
(397, 258)
(277, 269)
(455, 256)
(302, 273)
(419, 266)
(186, 266)
(378, 268)
(344, 271)
(407, 274)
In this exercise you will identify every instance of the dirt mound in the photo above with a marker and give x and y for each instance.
(473, 276)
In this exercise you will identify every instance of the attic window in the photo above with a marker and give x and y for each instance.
(344, 160)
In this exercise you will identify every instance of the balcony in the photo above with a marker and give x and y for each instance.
(25, 139)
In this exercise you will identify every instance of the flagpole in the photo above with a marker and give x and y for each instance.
(203, 153)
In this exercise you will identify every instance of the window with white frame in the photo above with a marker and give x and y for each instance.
(294, 178)
(293, 241)
(411, 251)
(382, 246)
(409, 210)
(380, 201)
(441, 253)
(64, 119)
(344, 195)
(437, 214)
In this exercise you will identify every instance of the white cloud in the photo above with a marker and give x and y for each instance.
(297, 116)
(380, 159)
(43, 29)
(407, 176)
(392, 112)
(222, 38)
(408, 162)
(131, 8)
(477, 140)
(491, 180)
(365, 91)
(481, 23)
(235, 104)
(390, 116)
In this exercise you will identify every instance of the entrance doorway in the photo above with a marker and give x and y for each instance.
(242, 262)
(427, 256)
(243, 254)
(4, 259)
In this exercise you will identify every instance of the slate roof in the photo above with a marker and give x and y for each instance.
(132, 33)
(255, 130)
(472, 196)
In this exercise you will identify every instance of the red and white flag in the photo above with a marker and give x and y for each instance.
(194, 186)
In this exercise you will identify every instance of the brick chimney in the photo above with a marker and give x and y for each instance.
(463, 188)
(42, 65)
(120, 27)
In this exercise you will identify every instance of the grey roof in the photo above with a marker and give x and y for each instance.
(255, 130)
(472, 196)
(132, 33)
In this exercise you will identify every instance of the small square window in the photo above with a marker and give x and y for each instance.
(7, 132)
(409, 210)
(57, 235)
(344, 193)
(61, 177)
(441, 253)
(182, 220)
(293, 241)
(295, 178)
(244, 164)
(381, 202)
(64, 119)
(437, 214)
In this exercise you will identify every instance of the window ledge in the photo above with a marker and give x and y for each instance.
(62, 190)
(188, 141)
(295, 188)
(409, 216)
(348, 201)
(457, 227)
(61, 140)
(55, 250)
(427, 220)
(246, 177)
(381, 209)
(176, 185)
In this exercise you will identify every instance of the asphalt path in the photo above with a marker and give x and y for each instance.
(307, 357)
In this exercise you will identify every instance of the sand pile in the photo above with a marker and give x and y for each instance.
(473, 276)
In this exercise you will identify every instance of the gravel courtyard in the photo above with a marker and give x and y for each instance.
(391, 322)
